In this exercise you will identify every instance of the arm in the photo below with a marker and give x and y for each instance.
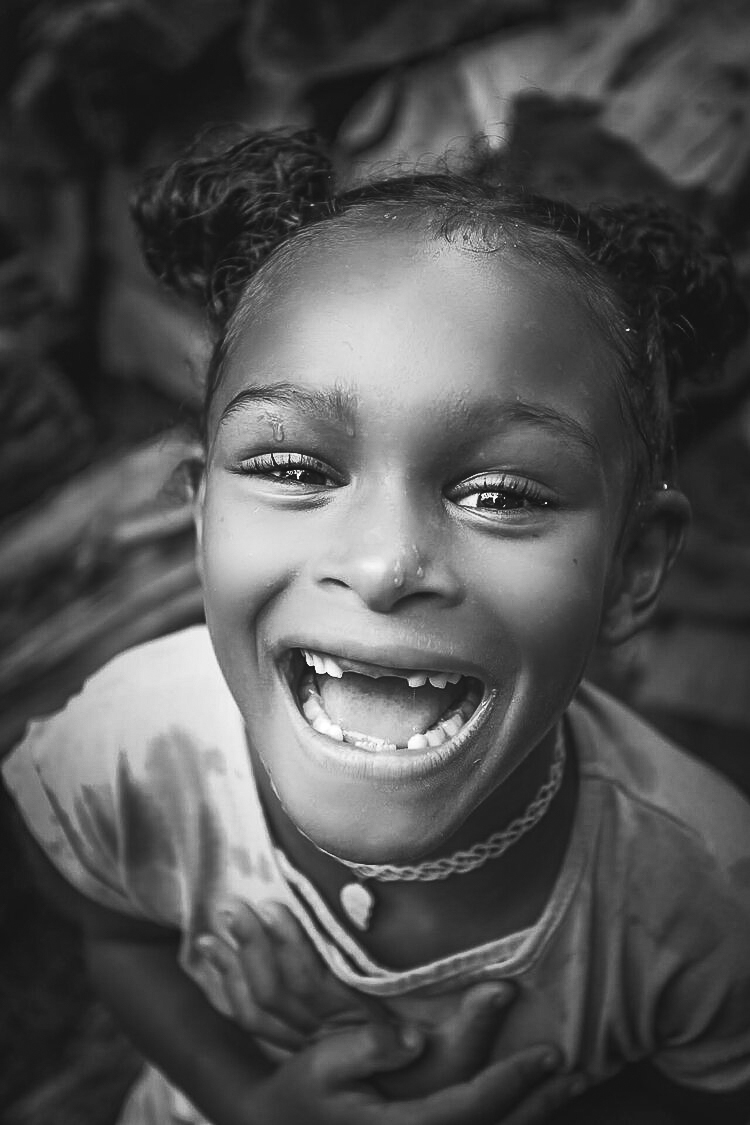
(219, 1068)
(276, 985)
(135, 970)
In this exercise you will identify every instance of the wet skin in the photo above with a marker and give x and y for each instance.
(416, 458)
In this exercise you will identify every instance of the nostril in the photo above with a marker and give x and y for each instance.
(336, 582)
(386, 575)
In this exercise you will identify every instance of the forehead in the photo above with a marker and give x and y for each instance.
(422, 323)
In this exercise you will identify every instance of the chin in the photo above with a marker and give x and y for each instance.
(372, 799)
(367, 803)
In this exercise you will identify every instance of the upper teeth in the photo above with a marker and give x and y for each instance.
(443, 730)
(326, 665)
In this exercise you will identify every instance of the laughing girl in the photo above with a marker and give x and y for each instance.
(437, 473)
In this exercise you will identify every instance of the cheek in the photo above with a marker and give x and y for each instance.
(246, 553)
(548, 600)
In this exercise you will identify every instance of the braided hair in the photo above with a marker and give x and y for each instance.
(662, 291)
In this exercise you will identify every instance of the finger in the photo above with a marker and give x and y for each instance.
(256, 956)
(475, 1025)
(266, 958)
(313, 994)
(350, 1056)
(302, 968)
(240, 1000)
(336, 1001)
(225, 960)
(486, 1098)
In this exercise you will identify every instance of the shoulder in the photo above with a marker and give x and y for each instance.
(114, 786)
(670, 850)
(171, 667)
(175, 678)
(661, 782)
(166, 691)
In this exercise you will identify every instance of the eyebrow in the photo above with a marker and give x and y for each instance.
(332, 405)
(338, 405)
(487, 415)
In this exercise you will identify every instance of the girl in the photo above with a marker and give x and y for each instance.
(437, 473)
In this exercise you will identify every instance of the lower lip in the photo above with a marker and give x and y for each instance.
(344, 758)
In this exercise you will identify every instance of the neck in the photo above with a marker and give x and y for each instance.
(501, 896)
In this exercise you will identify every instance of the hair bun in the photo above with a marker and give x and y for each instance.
(210, 219)
(695, 291)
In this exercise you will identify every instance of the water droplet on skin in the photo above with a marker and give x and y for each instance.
(278, 431)
(398, 575)
(420, 572)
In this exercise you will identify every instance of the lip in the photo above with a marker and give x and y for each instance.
(400, 658)
(347, 759)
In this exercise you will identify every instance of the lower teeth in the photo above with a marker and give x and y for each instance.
(447, 728)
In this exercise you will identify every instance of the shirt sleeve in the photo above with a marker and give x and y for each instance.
(703, 1013)
(72, 780)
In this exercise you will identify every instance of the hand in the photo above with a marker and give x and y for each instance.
(327, 1084)
(277, 987)
(274, 983)
(458, 1043)
(459, 1047)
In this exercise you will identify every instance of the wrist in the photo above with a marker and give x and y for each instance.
(264, 1104)
(229, 1089)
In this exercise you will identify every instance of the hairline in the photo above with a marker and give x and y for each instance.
(518, 239)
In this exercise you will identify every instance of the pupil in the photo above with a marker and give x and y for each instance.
(500, 501)
(300, 476)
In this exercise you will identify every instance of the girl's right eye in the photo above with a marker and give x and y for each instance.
(290, 470)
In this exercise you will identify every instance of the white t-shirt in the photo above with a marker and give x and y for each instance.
(141, 792)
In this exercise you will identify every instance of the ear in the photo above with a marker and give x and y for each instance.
(648, 550)
(198, 489)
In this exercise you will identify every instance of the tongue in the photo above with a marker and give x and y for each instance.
(384, 708)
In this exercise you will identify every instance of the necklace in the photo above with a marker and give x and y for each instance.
(358, 901)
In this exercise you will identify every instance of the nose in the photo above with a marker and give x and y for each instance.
(388, 554)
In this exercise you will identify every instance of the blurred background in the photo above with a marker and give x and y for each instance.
(100, 371)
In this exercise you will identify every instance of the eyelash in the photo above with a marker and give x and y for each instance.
(274, 466)
(290, 469)
(525, 494)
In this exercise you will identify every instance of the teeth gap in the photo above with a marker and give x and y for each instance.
(450, 723)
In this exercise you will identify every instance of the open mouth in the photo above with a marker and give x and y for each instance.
(381, 709)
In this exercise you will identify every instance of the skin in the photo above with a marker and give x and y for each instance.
(383, 549)
(469, 379)
(277, 987)
(337, 1077)
(389, 544)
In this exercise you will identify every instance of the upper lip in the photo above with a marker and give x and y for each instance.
(402, 658)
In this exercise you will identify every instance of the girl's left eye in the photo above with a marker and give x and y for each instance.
(293, 470)
(504, 495)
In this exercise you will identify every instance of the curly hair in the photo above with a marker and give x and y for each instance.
(663, 292)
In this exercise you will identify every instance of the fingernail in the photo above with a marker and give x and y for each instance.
(411, 1037)
(226, 917)
(502, 995)
(550, 1060)
(269, 912)
(205, 943)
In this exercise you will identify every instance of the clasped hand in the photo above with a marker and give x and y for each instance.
(351, 1061)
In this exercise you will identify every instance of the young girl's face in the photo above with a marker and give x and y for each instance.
(416, 466)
